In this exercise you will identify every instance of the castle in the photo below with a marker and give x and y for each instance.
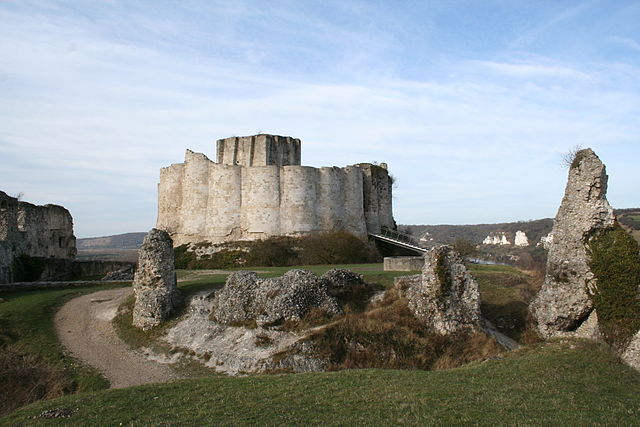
(257, 188)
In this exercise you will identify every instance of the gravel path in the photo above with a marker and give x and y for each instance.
(84, 327)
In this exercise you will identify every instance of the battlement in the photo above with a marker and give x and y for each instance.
(259, 150)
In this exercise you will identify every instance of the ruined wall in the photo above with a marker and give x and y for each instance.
(377, 197)
(403, 263)
(202, 200)
(37, 231)
(259, 150)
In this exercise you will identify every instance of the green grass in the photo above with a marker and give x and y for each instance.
(372, 273)
(29, 347)
(505, 293)
(563, 383)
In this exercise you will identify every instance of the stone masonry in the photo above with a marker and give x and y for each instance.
(257, 189)
(36, 231)
(563, 303)
(154, 284)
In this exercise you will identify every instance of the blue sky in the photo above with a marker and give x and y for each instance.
(471, 103)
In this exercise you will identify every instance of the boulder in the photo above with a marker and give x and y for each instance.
(154, 283)
(246, 298)
(563, 302)
(445, 298)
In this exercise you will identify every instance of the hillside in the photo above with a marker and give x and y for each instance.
(119, 241)
(535, 229)
(443, 234)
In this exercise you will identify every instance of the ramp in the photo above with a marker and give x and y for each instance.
(399, 239)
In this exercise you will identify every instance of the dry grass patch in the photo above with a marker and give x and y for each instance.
(389, 336)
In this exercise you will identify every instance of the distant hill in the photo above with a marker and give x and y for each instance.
(476, 233)
(120, 241)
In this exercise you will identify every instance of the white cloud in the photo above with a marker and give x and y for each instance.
(627, 42)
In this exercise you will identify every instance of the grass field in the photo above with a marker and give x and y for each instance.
(32, 361)
(562, 383)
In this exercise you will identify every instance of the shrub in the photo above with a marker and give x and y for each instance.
(464, 247)
(339, 247)
(335, 247)
(615, 262)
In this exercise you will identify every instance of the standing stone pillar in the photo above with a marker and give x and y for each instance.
(154, 284)
(564, 303)
(445, 298)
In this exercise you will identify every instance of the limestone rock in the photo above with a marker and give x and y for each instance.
(446, 298)
(496, 238)
(154, 284)
(563, 302)
(521, 239)
(246, 298)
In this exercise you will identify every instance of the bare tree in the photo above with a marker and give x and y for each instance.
(566, 159)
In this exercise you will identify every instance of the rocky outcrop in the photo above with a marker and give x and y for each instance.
(446, 298)
(546, 241)
(239, 328)
(564, 303)
(521, 239)
(496, 238)
(154, 284)
(247, 298)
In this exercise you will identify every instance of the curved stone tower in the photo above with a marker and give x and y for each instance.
(257, 189)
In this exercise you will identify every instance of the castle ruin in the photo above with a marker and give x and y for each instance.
(257, 188)
(36, 231)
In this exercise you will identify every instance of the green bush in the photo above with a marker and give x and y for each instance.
(615, 262)
(335, 247)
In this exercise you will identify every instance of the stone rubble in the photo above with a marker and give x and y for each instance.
(236, 329)
(247, 298)
(154, 284)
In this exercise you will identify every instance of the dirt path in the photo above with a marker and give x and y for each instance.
(84, 328)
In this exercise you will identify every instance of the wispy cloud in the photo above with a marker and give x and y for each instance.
(626, 42)
(524, 70)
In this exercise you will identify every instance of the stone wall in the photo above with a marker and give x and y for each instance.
(201, 200)
(259, 150)
(37, 231)
(403, 263)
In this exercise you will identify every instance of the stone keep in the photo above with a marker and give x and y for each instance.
(563, 303)
(154, 284)
(257, 189)
(37, 231)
